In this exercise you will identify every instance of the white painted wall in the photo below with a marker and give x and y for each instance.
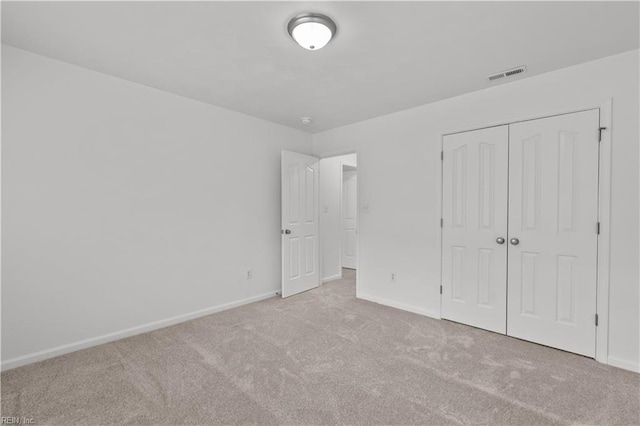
(330, 202)
(399, 178)
(124, 206)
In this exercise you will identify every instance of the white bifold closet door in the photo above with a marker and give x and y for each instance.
(535, 184)
(553, 216)
(474, 264)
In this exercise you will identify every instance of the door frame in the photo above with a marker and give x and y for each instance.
(320, 207)
(604, 212)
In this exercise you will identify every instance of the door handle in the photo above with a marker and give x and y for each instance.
(500, 240)
(514, 241)
(286, 231)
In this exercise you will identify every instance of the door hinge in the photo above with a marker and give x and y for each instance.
(441, 155)
(600, 133)
(440, 289)
(596, 320)
(598, 228)
(441, 222)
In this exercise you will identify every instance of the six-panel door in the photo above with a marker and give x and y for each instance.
(553, 214)
(474, 263)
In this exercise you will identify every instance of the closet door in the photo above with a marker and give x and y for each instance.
(474, 259)
(553, 213)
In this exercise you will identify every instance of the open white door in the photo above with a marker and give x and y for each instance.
(474, 249)
(300, 255)
(349, 218)
(553, 240)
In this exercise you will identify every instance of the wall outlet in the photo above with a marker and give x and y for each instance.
(249, 274)
(393, 277)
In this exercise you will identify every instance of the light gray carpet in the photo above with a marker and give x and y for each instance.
(322, 357)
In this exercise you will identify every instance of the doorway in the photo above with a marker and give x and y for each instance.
(319, 220)
(338, 215)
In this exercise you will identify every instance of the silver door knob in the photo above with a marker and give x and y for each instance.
(500, 240)
(514, 241)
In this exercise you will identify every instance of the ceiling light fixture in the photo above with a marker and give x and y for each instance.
(306, 120)
(311, 30)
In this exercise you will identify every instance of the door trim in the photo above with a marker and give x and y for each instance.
(604, 214)
(604, 239)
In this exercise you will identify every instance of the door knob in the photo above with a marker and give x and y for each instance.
(287, 231)
(514, 241)
(500, 240)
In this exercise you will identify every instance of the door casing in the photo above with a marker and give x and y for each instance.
(604, 213)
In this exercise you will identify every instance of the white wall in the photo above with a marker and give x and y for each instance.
(399, 178)
(330, 202)
(124, 206)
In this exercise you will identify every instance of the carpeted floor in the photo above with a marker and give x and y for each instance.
(322, 357)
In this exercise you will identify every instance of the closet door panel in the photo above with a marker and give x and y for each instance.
(553, 205)
(475, 216)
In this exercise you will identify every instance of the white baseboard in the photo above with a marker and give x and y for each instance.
(106, 338)
(621, 363)
(397, 305)
(332, 278)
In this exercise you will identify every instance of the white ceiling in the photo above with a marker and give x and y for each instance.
(386, 56)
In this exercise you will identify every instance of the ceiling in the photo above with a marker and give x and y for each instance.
(386, 56)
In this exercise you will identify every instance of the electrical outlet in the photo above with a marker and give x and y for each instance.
(393, 277)
(249, 274)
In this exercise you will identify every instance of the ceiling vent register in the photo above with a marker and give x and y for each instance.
(508, 73)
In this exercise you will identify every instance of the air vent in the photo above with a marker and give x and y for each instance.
(508, 73)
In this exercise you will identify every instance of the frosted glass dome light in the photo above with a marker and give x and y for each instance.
(311, 30)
